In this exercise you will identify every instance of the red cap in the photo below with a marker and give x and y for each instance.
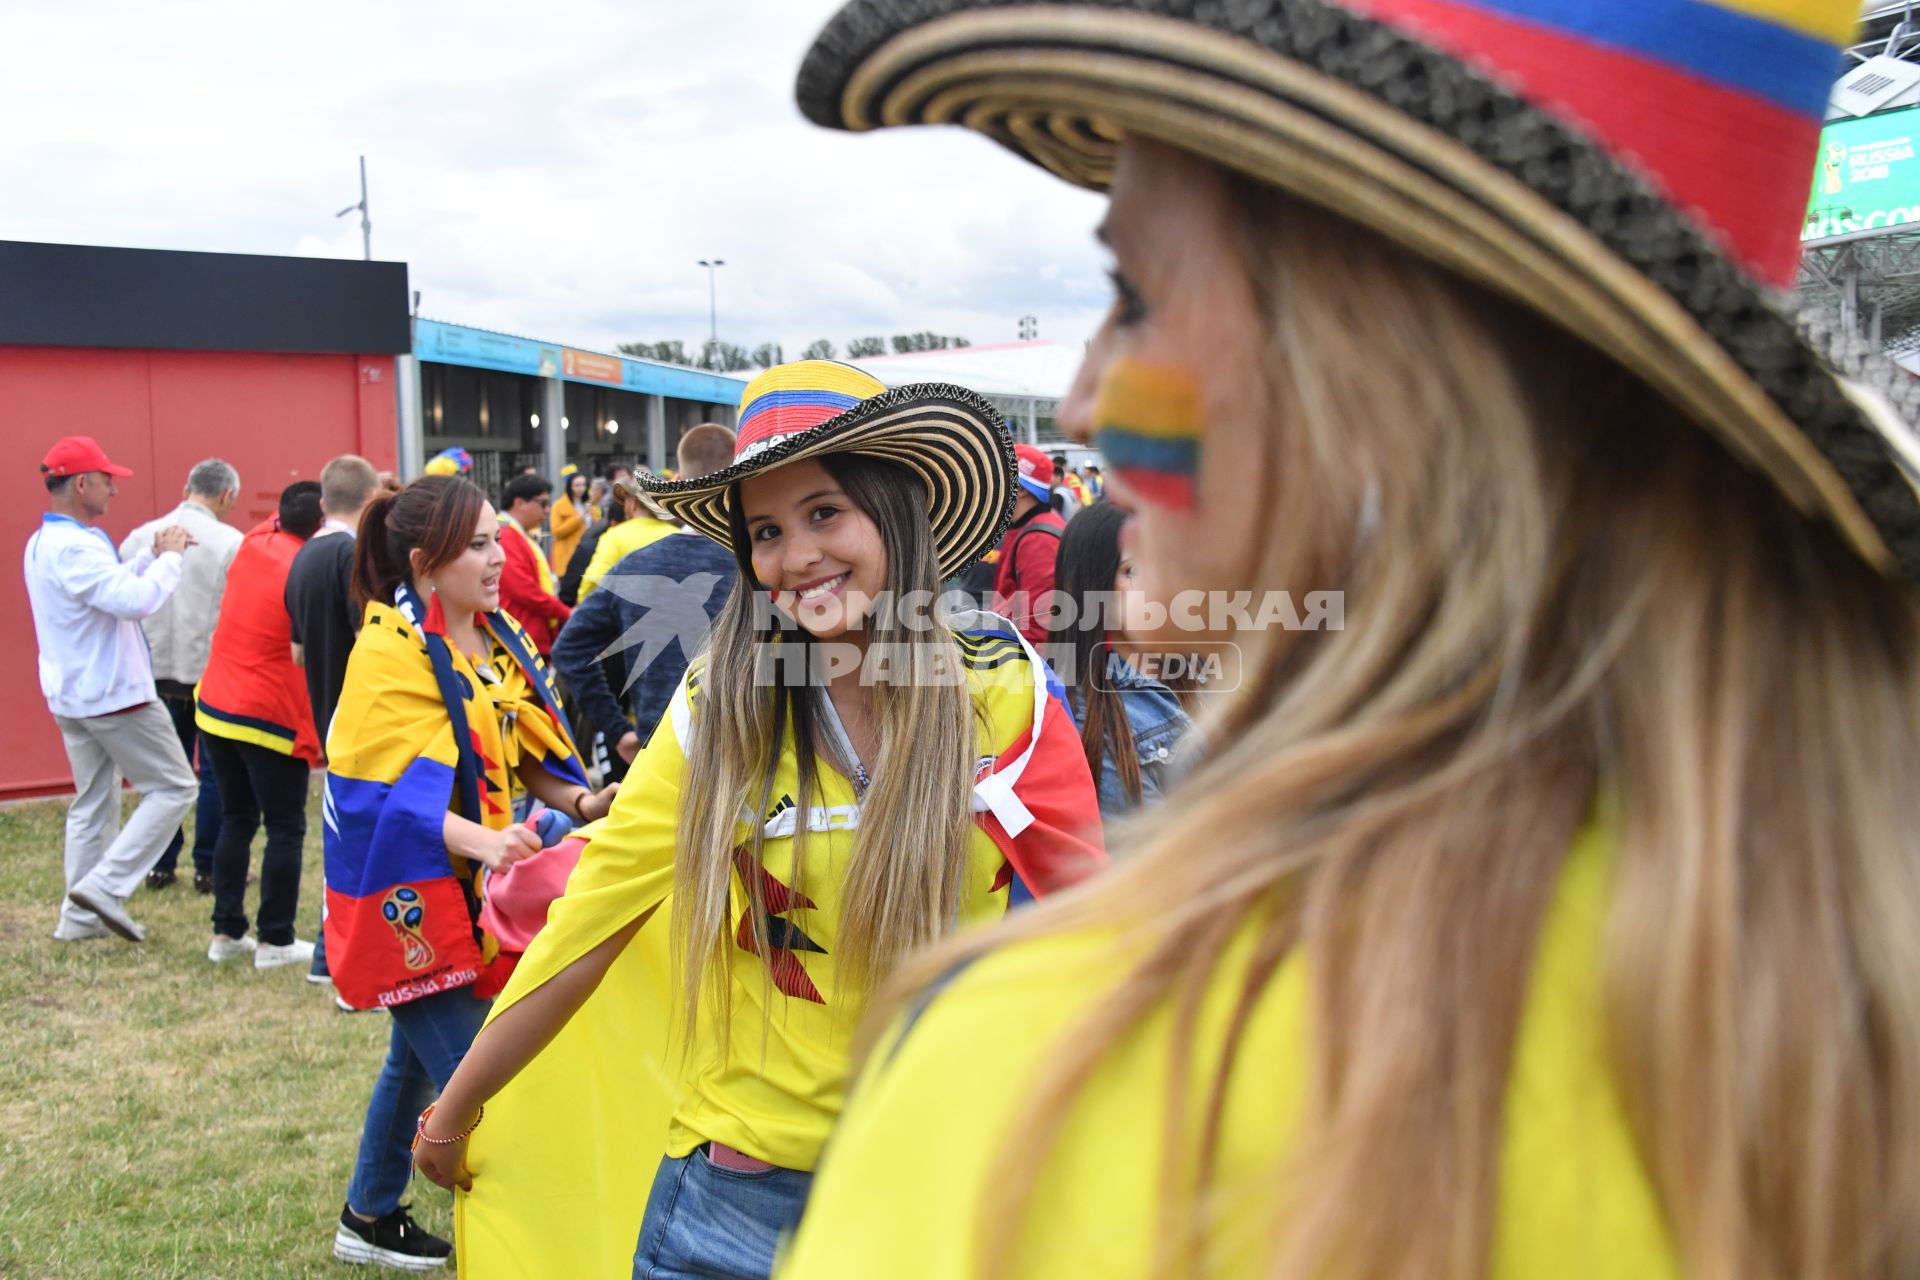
(77, 455)
(1036, 470)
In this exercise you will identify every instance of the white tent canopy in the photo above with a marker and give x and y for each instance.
(1026, 380)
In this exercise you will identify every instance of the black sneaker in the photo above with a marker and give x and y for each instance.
(157, 879)
(203, 882)
(393, 1241)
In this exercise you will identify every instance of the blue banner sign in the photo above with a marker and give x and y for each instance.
(444, 343)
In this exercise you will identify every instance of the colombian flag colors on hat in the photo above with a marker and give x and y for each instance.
(790, 398)
(1633, 171)
(952, 439)
(1720, 102)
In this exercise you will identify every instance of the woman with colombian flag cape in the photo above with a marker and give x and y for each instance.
(446, 712)
(839, 782)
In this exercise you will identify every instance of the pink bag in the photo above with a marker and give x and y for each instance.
(516, 902)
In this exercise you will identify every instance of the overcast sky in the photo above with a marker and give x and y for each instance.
(550, 169)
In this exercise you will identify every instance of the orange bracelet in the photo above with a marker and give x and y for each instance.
(420, 1129)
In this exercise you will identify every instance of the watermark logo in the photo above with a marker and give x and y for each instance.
(1184, 650)
(673, 610)
(1203, 667)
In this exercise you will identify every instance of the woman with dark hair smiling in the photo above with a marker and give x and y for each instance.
(446, 713)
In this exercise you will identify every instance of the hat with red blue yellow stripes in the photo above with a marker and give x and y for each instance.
(1635, 170)
(951, 438)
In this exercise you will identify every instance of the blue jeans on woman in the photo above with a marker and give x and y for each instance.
(704, 1222)
(430, 1036)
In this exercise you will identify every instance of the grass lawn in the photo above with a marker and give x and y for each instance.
(162, 1116)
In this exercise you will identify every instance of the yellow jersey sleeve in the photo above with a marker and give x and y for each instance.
(616, 544)
(564, 1162)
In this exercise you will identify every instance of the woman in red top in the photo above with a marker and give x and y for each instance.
(257, 730)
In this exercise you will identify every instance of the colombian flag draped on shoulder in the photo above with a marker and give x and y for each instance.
(1035, 796)
(563, 1165)
(421, 730)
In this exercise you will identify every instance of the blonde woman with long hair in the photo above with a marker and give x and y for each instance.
(1556, 916)
(840, 781)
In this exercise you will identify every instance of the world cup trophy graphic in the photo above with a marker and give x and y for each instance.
(1836, 155)
(404, 911)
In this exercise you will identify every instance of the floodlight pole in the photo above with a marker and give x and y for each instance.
(713, 303)
(366, 223)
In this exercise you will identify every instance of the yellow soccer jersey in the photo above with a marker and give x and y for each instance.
(775, 1100)
(901, 1190)
(564, 1161)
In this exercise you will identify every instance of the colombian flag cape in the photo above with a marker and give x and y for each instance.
(566, 1156)
(418, 732)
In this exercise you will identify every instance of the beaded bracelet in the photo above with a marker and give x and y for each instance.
(420, 1128)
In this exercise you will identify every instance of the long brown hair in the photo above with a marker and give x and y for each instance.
(435, 515)
(1572, 605)
(904, 881)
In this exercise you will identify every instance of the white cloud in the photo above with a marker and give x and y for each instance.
(550, 169)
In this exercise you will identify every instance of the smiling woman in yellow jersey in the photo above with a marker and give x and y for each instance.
(1554, 916)
(839, 783)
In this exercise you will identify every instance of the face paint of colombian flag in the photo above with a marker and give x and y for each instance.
(1147, 427)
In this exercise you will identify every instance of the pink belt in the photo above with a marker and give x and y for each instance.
(727, 1157)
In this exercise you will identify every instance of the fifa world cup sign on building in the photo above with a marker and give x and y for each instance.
(1867, 177)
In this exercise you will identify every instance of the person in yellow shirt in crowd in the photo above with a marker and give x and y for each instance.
(903, 778)
(1550, 911)
(567, 521)
(645, 524)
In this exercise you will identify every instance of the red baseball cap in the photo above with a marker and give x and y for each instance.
(77, 455)
(1036, 471)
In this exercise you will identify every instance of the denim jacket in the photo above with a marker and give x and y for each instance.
(1158, 723)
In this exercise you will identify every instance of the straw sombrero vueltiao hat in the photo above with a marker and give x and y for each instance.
(1635, 170)
(951, 438)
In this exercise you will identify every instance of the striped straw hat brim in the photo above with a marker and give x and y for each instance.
(1634, 170)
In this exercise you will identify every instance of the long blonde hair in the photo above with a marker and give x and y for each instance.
(904, 882)
(1571, 601)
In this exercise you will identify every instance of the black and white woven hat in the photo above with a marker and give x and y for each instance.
(954, 440)
(1635, 170)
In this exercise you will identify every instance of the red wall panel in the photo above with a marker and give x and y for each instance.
(277, 418)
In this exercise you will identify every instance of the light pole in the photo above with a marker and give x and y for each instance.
(713, 306)
(366, 225)
(1029, 328)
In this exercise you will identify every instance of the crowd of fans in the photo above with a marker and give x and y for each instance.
(1551, 914)
(240, 645)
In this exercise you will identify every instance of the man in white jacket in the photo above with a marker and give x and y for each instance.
(98, 682)
(180, 634)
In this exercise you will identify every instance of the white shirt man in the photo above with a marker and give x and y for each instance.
(180, 634)
(98, 682)
(181, 631)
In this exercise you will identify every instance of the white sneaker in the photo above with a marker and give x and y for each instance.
(224, 948)
(111, 910)
(69, 931)
(272, 956)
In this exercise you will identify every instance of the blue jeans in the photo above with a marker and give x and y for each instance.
(430, 1036)
(708, 1223)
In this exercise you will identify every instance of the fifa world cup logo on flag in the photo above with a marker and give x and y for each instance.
(404, 911)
